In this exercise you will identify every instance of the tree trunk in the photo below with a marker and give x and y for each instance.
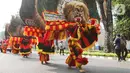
(6, 31)
(108, 40)
(108, 24)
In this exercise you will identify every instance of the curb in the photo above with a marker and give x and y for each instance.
(102, 57)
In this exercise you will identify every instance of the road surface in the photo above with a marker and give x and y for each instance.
(10, 63)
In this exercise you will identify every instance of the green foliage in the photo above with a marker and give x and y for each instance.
(128, 56)
(121, 1)
(123, 21)
(98, 53)
(123, 27)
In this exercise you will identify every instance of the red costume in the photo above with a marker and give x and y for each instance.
(4, 45)
(45, 48)
(25, 47)
(15, 48)
(75, 58)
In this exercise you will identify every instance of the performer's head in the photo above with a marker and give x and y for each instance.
(118, 35)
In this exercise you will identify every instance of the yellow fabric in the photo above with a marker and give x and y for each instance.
(63, 23)
(62, 35)
(40, 35)
(38, 30)
(47, 52)
(54, 27)
(68, 60)
(28, 29)
(60, 27)
(78, 65)
(15, 48)
(35, 33)
(47, 27)
(30, 33)
(40, 50)
(51, 37)
(57, 23)
(18, 38)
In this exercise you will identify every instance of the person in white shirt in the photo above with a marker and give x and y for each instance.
(61, 47)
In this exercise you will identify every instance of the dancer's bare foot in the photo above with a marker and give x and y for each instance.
(82, 71)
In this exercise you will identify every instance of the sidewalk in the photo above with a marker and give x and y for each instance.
(102, 57)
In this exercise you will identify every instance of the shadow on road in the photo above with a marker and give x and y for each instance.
(29, 59)
(61, 68)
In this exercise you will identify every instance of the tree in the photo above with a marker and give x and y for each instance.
(15, 26)
(106, 17)
(6, 30)
(2, 35)
(123, 21)
(123, 27)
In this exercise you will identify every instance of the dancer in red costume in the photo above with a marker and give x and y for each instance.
(25, 47)
(15, 48)
(75, 58)
(4, 45)
(45, 48)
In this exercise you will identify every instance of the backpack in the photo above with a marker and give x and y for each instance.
(122, 43)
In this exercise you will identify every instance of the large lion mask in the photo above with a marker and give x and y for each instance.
(76, 12)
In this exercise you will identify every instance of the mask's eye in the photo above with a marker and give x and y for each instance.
(77, 9)
(81, 9)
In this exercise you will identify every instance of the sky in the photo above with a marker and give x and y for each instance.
(7, 9)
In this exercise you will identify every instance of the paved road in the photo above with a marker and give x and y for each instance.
(10, 63)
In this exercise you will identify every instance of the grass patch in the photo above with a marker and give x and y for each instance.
(98, 53)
